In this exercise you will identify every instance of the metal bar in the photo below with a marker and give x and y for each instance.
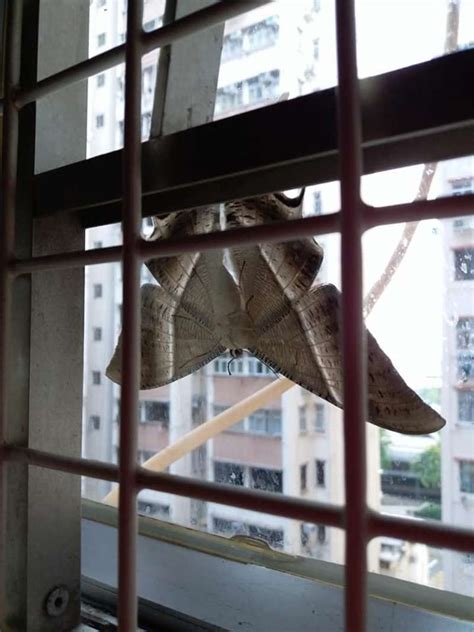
(429, 533)
(167, 34)
(455, 206)
(128, 525)
(246, 157)
(278, 232)
(426, 532)
(353, 341)
(10, 126)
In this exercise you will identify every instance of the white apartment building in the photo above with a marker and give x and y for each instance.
(458, 375)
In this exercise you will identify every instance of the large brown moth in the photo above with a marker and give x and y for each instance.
(262, 299)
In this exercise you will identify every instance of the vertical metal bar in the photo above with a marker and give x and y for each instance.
(353, 343)
(7, 237)
(127, 606)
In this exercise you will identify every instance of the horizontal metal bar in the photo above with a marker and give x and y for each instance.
(440, 208)
(426, 532)
(163, 36)
(439, 535)
(413, 115)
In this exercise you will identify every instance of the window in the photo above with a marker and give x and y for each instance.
(317, 203)
(97, 290)
(261, 35)
(229, 97)
(150, 25)
(266, 422)
(466, 476)
(147, 80)
(266, 479)
(273, 537)
(146, 124)
(94, 422)
(229, 473)
(316, 49)
(100, 120)
(319, 418)
(321, 530)
(302, 418)
(97, 244)
(101, 39)
(466, 406)
(320, 473)
(100, 80)
(465, 333)
(96, 379)
(154, 411)
(145, 455)
(464, 264)
(156, 510)
(465, 366)
(97, 333)
(463, 186)
(303, 477)
(264, 86)
(232, 45)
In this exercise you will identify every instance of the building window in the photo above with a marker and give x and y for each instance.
(145, 455)
(157, 510)
(302, 418)
(153, 411)
(237, 427)
(317, 203)
(264, 86)
(466, 406)
(273, 537)
(321, 533)
(97, 244)
(462, 186)
(150, 25)
(320, 473)
(232, 45)
(465, 333)
(97, 334)
(94, 421)
(100, 80)
(466, 476)
(267, 480)
(229, 473)
(96, 377)
(147, 80)
(319, 418)
(100, 120)
(465, 366)
(265, 422)
(146, 124)
(464, 264)
(101, 39)
(261, 35)
(97, 290)
(303, 477)
(316, 49)
(229, 97)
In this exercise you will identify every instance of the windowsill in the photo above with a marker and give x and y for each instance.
(308, 591)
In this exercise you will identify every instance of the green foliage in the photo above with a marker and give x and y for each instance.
(428, 467)
(430, 511)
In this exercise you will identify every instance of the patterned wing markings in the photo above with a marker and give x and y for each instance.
(316, 364)
(270, 276)
(173, 342)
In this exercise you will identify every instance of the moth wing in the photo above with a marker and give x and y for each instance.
(305, 347)
(174, 343)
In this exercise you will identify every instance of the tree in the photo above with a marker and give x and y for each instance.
(428, 467)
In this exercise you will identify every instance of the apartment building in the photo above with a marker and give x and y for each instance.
(458, 375)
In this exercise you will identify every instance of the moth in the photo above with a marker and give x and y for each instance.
(263, 299)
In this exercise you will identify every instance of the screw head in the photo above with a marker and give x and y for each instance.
(57, 601)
